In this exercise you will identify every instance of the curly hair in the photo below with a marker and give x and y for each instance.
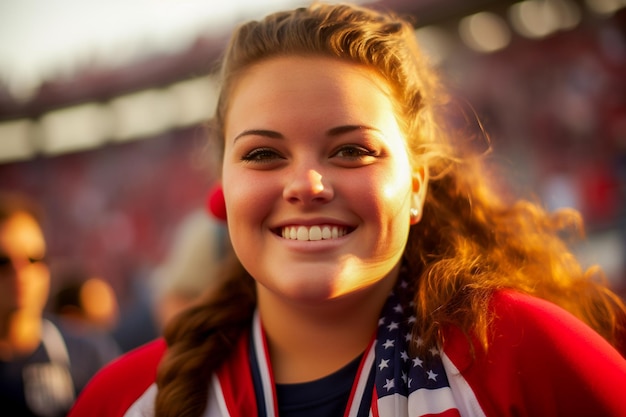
(473, 238)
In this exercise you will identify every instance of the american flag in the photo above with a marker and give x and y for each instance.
(404, 385)
(407, 385)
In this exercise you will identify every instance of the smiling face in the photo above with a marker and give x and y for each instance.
(317, 179)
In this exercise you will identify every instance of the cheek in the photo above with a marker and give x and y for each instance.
(235, 189)
(7, 289)
(245, 198)
(37, 277)
(249, 197)
(389, 196)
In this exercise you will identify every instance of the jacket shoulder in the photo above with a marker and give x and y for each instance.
(119, 384)
(541, 360)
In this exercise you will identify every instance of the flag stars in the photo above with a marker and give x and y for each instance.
(417, 362)
(432, 375)
(396, 336)
(392, 326)
(390, 384)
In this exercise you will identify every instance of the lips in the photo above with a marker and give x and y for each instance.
(317, 232)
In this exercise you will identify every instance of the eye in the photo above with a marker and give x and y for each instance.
(261, 155)
(354, 152)
(34, 260)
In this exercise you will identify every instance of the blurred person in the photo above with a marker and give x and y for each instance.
(137, 324)
(86, 306)
(380, 270)
(42, 367)
(191, 266)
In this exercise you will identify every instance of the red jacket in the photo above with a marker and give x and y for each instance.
(541, 361)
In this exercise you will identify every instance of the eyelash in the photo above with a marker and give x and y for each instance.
(266, 155)
(359, 150)
(261, 155)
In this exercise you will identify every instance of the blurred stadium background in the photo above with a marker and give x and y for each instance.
(101, 112)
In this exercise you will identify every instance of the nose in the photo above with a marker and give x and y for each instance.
(307, 186)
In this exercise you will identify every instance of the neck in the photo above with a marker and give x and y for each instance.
(307, 342)
(20, 336)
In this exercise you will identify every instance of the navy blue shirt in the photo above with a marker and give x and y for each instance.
(36, 374)
(324, 397)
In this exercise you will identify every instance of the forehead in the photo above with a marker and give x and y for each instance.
(313, 84)
(21, 233)
(311, 67)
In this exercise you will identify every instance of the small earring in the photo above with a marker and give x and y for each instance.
(414, 213)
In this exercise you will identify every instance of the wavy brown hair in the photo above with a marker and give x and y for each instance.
(472, 239)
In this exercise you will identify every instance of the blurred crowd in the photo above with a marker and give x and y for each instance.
(54, 338)
(555, 112)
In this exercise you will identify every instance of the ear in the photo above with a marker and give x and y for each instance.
(420, 186)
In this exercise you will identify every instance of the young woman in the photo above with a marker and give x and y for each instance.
(377, 270)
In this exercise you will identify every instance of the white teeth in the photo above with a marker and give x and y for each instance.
(324, 232)
(315, 233)
(303, 234)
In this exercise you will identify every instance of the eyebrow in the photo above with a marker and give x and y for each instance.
(259, 132)
(340, 130)
(335, 131)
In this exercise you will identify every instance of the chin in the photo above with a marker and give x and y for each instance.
(316, 291)
(309, 291)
